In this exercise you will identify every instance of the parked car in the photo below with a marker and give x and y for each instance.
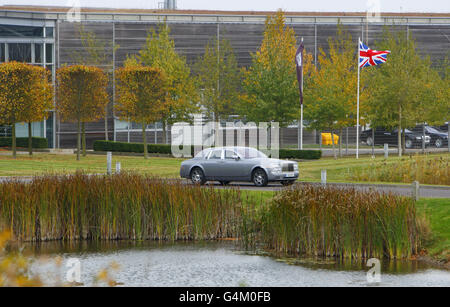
(227, 164)
(438, 137)
(383, 136)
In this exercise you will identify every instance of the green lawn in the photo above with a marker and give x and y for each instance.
(337, 170)
(437, 211)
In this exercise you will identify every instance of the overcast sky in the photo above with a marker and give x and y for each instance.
(438, 6)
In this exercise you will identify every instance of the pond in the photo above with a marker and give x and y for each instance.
(220, 264)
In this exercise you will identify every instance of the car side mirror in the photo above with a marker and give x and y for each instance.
(236, 158)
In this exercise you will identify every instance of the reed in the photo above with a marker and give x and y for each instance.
(118, 207)
(424, 169)
(343, 223)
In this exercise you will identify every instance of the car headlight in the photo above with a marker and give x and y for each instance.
(276, 168)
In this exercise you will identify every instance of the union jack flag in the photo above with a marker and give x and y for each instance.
(369, 57)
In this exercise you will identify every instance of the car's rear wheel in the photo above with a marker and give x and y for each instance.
(369, 141)
(287, 182)
(438, 143)
(259, 178)
(197, 176)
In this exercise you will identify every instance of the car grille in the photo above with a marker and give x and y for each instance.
(288, 167)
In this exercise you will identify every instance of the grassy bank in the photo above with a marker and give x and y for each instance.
(341, 170)
(437, 212)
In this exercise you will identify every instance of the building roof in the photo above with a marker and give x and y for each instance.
(60, 9)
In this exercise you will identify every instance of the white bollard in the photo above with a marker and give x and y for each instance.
(386, 151)
(323, 177)
(118, 168)
(416, 190)
(109, 163)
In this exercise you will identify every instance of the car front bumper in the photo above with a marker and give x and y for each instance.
(283, 176)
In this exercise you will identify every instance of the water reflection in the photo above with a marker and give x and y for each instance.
(223, 264)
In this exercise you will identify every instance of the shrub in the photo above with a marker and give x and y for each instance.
(344, 223)
(167, 149)
(300, 154)
(23, 142)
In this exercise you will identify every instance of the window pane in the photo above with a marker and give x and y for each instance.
(48, 32)
(38, 52)
(49, 53)
(216, 155)
(2, 52)
(19, 52)
(20, 31)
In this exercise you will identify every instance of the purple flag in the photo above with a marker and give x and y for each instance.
(299, 64)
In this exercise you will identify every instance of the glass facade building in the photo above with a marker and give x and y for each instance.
(32, 43)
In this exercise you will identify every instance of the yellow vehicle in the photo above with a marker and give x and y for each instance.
(326, 139)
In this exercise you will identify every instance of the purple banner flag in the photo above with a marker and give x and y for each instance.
(299, 64)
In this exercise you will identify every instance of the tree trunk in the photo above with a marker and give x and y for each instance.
(83, 139)
(30, 140)
(164, 131)
(332, 143)
(14, 151)
(144, 139)
(106, 124)
(373, 142)
(78, 140)
(399, 132)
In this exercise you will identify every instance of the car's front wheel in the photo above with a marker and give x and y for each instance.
(260, 178)
(438, 143)
(197, 176)
(369, 141)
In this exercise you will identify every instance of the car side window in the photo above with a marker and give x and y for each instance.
(216, 155)
(229, 154)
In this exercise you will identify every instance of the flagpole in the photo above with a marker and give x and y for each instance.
(301, 113)
(357, 111)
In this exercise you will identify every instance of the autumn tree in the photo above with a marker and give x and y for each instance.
(25, 95)
(218, 79)
(405, 90)
(37, 108)
(330, 89)
(181, 97)
(81, 96)
(96, 52)
(141, 96)
(270, 83)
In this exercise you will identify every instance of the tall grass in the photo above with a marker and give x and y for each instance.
(343, 223)
(119, 207)
(416, 168)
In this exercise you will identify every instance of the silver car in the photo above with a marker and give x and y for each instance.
(226, 164)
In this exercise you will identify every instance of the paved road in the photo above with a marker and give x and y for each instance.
(425, 191)
(405, 190)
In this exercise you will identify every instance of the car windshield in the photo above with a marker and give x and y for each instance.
(249, 153)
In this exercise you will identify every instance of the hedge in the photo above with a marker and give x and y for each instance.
(23, 142)
(167, 149)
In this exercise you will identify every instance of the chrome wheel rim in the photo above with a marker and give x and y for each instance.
(408, 144)
(369, 141)
(438, 143)
(259, 178)
(196, 177)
